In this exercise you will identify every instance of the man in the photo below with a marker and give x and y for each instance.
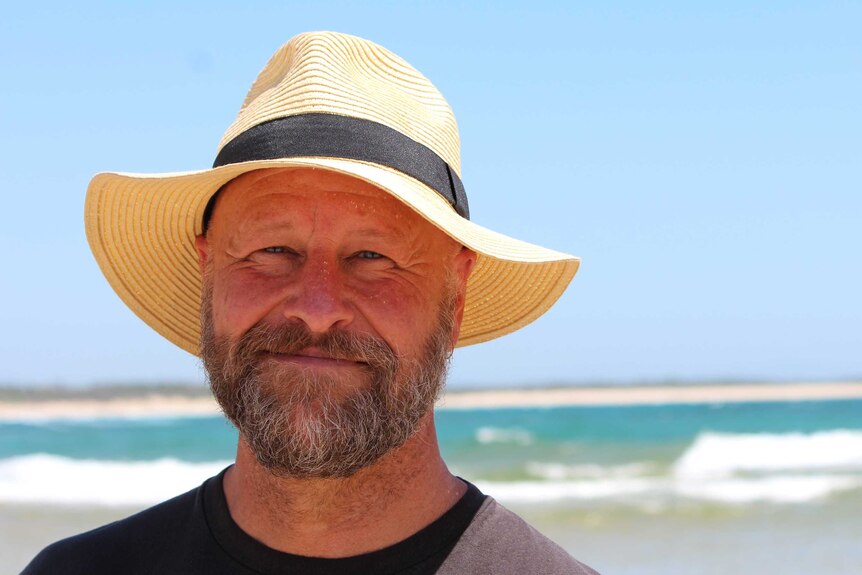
(324, 269)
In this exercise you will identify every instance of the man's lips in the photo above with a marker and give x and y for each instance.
(313, 357)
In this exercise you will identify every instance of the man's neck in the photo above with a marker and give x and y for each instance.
(373, 509)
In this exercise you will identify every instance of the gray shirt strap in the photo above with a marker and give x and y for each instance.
(498, 542)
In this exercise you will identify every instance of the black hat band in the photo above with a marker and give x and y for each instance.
(334, 136)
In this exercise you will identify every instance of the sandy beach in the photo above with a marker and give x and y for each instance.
(167, 405)
(157, 405)
(653, 394)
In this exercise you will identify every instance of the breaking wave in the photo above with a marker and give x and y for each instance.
(515, 435)
(728, 469)
(723, 454)
(648, 490)
(716, 467)
(41, 478)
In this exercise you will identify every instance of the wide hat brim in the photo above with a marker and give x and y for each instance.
(141, 229)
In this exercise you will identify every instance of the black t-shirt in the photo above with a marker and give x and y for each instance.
(194, 533)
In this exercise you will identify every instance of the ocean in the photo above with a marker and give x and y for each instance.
(663, 489)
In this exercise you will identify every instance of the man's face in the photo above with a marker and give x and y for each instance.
(329, 312)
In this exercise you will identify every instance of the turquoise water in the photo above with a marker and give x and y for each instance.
(659, 427)
(680, 485)
(519, 450)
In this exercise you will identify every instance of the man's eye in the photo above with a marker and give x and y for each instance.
(274, 250)
(368, 255)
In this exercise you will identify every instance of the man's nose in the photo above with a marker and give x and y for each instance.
(318, 297)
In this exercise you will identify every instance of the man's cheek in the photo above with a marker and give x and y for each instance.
(239, 305)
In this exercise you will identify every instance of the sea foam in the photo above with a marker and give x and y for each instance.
(648, 491)
(559, 471)
(783, 489)
(515, 435)
(552, 491)
(717, 468)
(41, 478)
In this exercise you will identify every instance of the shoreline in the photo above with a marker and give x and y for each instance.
(171, 405)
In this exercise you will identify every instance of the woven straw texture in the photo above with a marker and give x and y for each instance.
(141, 228)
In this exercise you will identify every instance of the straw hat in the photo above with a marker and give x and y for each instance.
(334, 102)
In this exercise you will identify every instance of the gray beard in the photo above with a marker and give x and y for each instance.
(294, 421)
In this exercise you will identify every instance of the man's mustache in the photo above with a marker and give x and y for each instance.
(292, 338)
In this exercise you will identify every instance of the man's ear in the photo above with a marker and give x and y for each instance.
(464, 262)
(203, 248)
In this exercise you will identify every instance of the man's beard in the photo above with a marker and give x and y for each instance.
(301, 424)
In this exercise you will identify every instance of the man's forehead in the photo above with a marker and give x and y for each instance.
(319, 183)
(262, 198)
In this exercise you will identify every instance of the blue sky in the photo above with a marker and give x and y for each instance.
(704, 161)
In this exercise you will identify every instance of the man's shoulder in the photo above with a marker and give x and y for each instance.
(498, 541)
(112, 548)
